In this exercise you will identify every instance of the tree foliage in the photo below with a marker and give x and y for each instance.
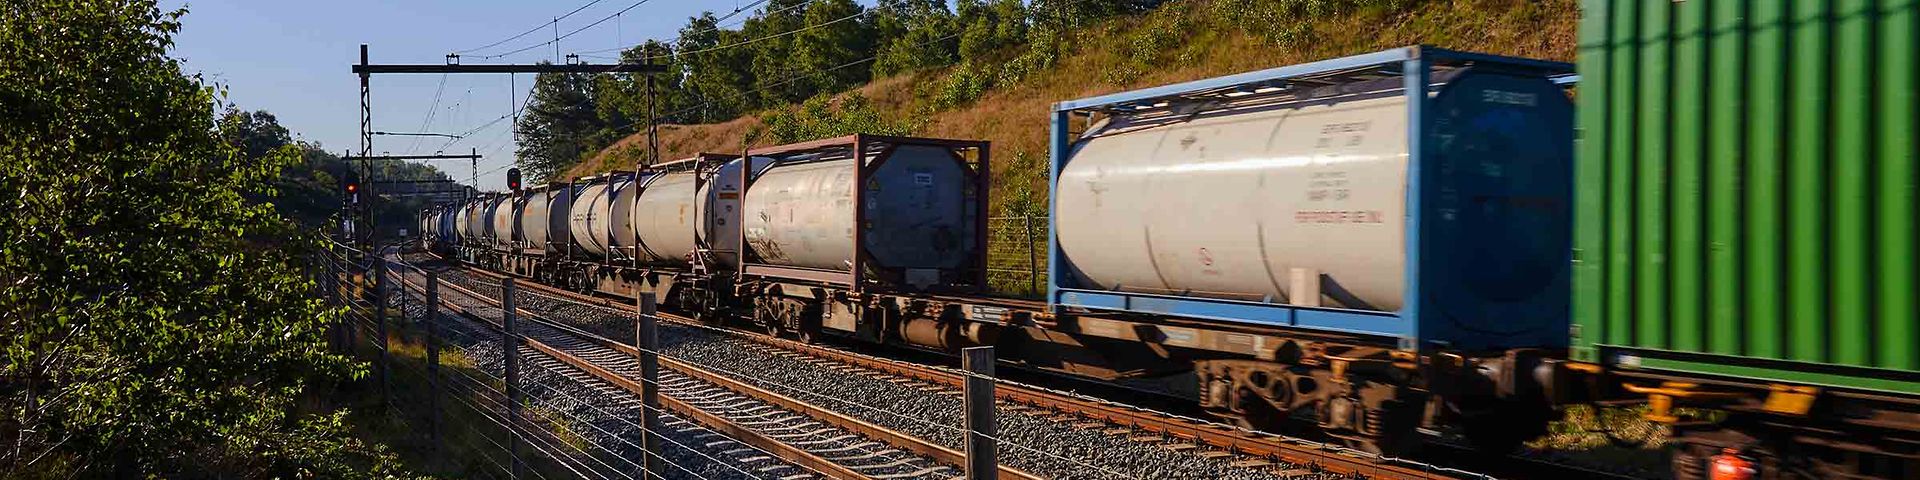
(559, 124)
(307, 190)
(153, 322)
(792, 51)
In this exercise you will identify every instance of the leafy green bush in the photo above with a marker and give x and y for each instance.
(964, 84)
(156, 323)
(820, 117)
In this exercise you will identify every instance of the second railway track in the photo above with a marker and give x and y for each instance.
(825, 444)
(1131, 442)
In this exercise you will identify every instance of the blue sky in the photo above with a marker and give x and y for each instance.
(293, 58)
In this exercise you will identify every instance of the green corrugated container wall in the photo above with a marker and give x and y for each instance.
(1747, 187)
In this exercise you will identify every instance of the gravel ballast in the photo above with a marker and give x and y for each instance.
(1044, 447)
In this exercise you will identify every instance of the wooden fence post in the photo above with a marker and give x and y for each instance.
(380, 330)
(646, 338)
(431, 315)
(981, 447)
(510, 349)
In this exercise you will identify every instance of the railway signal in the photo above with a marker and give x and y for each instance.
(513, 179)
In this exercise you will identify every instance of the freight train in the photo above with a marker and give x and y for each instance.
(1377, 247)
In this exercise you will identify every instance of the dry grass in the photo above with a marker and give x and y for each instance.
(1014, 117)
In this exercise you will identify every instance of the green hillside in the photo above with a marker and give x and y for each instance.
(1012, 61)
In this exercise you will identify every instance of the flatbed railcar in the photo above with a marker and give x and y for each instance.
(1383, 245)
(881, 239)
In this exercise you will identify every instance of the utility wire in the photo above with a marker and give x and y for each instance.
(531, 30)
(716, 26)
(862, 12)
(432, 110)
(742, 95)
(569, 34)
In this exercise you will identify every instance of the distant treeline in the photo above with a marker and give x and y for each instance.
(308, 191)
(785, 53)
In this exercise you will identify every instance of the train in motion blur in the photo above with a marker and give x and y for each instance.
(1376, 248)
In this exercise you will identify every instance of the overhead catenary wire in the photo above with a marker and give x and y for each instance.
(433, 109)
(530, 31)
(556, 39)
(742, 95)
(717, 25)
(861, 13)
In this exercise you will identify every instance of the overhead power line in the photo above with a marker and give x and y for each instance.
(531, 30)
(862, 12)
(742, 95)
(717, 25)
(569, 34)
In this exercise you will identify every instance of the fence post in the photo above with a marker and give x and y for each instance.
(981, 449)
(329, 279)
(400, 285)
(352, 329)
(433, 361)
(646, 338)
(1033, 259)
(380, 329)
(510, 349)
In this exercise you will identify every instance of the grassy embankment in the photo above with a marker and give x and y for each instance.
(1181, 41)
(472, 443)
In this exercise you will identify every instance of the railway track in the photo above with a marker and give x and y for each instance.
(822, 441)
(1284, 457)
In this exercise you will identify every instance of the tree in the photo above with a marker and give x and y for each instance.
(826, 45)
(717, 79)
(772, 53)
(153, 322)
(561, 119)
(988, 27)
(912, 35)
(257, 134)
(625, 105)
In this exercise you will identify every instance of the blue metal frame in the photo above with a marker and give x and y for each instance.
(1416, 64)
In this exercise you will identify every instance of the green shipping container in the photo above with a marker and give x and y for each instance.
(1745, 195)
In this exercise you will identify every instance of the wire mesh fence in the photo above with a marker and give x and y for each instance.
(1017, 256)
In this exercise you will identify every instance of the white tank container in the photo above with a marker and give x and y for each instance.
(1236, 205)
(478, 223)
(602, 223)
(719, 211)
(802, 215)
(460, 224)
(484, 219)
(449, 221)
(666, 217)
(501, 218)
(532, 218)
(916, 206)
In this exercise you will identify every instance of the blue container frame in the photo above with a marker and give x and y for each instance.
(1403, 327)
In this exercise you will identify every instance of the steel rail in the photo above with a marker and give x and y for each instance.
(717, 423)
(1320, 456)
(745, 435)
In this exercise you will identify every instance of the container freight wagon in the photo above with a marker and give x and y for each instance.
(1745, 225)
(1409, 203)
